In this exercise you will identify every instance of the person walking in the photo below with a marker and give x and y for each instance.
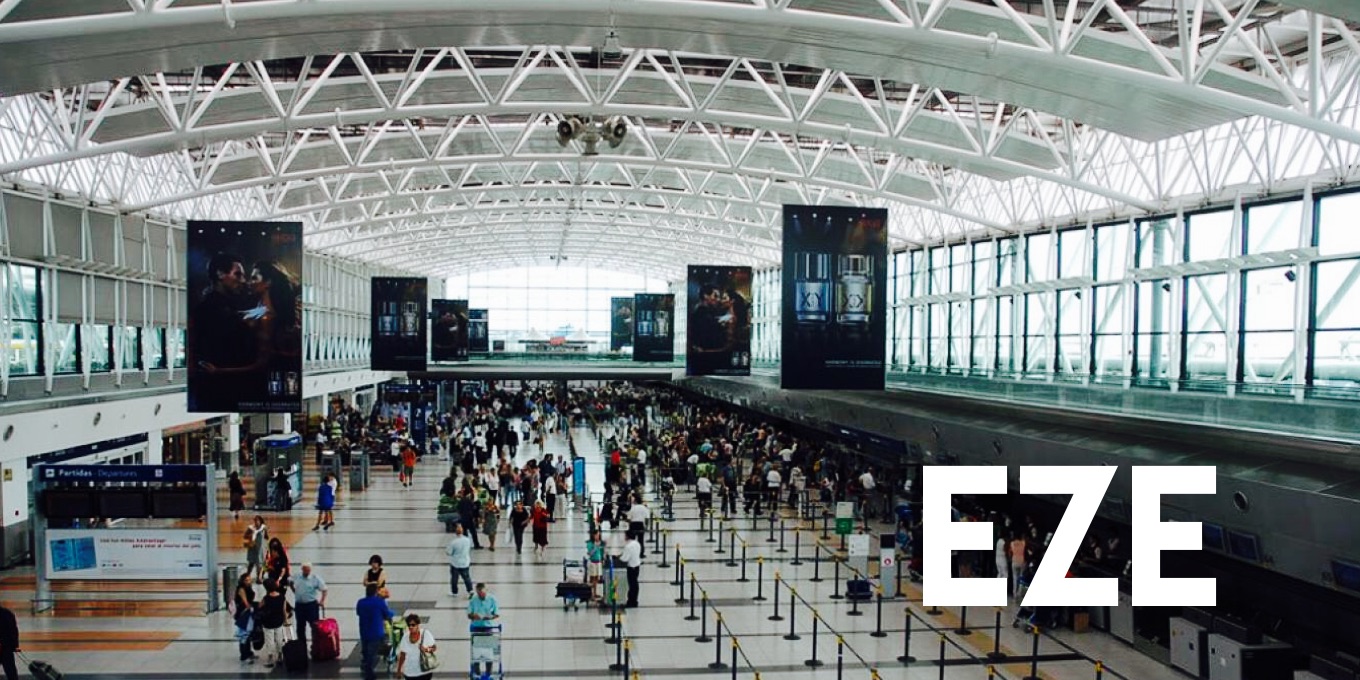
(540, 521)
(325, 503)
(236, 490)
(519, 519)
(243, 606)
(469, 512)
(408, 463)
(491, 519)
(256, 539)
(375, 576)
(373, 612)
(309, 598)
(460, 560)
(415, 645)
(482, 611)
(632, 559)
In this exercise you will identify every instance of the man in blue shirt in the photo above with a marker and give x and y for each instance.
(309, 597)
(373, 612)
(483, 612)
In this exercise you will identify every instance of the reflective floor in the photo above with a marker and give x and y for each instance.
(541, 639)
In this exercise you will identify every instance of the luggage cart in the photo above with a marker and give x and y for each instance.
(574, 588)
(485, 648)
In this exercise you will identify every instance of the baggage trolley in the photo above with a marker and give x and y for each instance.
(485, 645)
(574, 588)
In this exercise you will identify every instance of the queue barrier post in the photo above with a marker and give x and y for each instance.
(840, 657)
(906, 659)
(717, 645)
(681, 584)
(665, 535)
(703, 622)
(732, 547)
(878, 617)
(996, 654)
(816, 562)
(1100, 670)
(734, 657)
(797, 545)
(618, 649)
(720, 550)
(760, 579)
(781, 537)
(743, 578)
(963, 623)
(773, 513)
(614, 626)
(691, 616)
(814, 662)
(1033, 654)
(941, 662)
(710, 538)
(793, 616)
(836, 591)
(776, 616)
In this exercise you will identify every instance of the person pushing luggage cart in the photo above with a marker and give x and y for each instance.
(484, 635)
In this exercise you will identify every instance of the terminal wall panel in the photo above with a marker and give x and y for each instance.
(24, 217)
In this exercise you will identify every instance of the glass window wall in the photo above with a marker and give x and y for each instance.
(23, 306)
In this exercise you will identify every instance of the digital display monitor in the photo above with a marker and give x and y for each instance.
(177, 503)
(69, 503)
(114, 503)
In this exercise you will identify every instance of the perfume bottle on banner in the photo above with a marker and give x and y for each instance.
(275, 383)
(663, 323)
(290, 383)
(387, 321)
(410, 319)
(812, 287)
(854, 289)
(644, 326)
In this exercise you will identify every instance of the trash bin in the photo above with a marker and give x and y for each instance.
(230, 575)
(356, 475)
(330, 464)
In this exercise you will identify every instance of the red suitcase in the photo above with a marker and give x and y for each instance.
(325, 640)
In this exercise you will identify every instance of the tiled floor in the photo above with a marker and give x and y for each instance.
(543, 641)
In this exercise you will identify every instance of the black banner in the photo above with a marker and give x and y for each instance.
(653, 327)
(620, 323)
(399, 318)
(718, 335)
(449, 330)
(835, 297)
(478, 331)
(244, 331)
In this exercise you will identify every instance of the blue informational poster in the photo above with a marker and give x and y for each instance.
(73, 554)
(578, 476)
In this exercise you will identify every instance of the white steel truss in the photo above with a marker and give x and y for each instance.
(981, 119)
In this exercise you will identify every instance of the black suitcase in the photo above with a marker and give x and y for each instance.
(295, 656)
(41, 670)
(858, 589)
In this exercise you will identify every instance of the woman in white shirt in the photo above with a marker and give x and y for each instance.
(413, 643)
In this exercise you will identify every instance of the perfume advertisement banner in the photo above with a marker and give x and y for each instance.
(449, 330)
(399, 318)
(835, 297)
(718, 335)
(478, 336)
(243, 347)
(620, 323)
(653, 327)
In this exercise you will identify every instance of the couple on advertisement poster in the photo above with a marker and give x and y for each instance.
(621, 323)
(449, 331)
(719, 328)
(398, 326)
(244, 330)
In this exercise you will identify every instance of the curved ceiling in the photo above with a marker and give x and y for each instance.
(421, 135)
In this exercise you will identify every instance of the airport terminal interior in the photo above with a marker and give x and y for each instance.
(303, 296)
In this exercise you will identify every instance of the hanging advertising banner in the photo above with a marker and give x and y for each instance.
(398, 322)
(653, 327)
(835, 298)
(478, 331)
(135, 554)
(243, 348)
(620, 323)
(449, 330)
(718, 334)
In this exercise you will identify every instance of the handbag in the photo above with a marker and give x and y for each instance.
(428, 660)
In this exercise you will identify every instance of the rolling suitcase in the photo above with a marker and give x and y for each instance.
(41, 670)
(326, 640)
(295, 656)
